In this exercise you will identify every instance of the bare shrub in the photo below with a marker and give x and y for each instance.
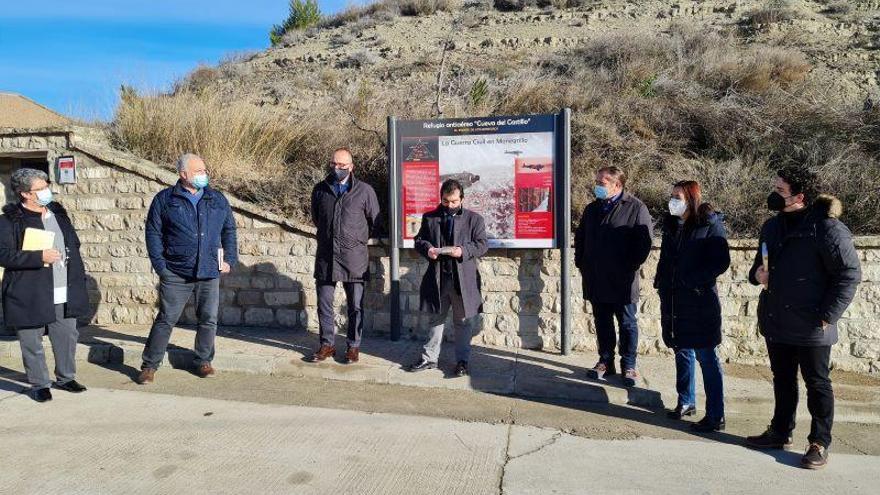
(358, 60)
(199, 79)
(774, 12)
(417, 8)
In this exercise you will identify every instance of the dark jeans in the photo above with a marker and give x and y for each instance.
(354, 297)
(174, 292)
(604, 315)
(713, 379)
(814, 363)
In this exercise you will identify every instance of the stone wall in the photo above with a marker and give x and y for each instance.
(273, 285)
(522, 305)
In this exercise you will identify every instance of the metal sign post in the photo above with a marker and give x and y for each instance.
(564, 229)
(394, 227)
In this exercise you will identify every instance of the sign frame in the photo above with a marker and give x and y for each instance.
(560, 195)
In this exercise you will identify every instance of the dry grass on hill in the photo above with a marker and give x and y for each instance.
(665, 107)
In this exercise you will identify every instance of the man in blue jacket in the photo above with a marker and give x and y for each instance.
(191, 240)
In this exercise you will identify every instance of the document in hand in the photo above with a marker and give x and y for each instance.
(38, 240)
(220, 258)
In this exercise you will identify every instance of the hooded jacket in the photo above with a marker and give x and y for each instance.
(814, 272)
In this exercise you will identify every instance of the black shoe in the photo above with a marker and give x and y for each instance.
(421, 365)
(815, 458)
(42, 395)
(71, 386)
(461, 369)
(630, 377)
(770, 439)
(681, 411)
(708, 425)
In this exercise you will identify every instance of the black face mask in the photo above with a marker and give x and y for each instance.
(341, 174)
(449, 211)
(775, 201)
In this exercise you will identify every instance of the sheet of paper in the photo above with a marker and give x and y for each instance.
(37, 240)
(220, 259)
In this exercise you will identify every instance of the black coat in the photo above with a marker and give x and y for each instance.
(469, 233)
(28, 286)
(609, 249)
(814, 273)
(692, 257)
(344, 226)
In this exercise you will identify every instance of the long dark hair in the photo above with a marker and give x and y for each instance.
(698, 211)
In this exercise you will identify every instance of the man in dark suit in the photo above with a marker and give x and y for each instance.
(452, 239)
(612, 241)
(345, 212)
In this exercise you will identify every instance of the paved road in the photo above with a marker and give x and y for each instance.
(186, 435)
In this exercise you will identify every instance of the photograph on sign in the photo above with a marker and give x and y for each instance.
(505, 165)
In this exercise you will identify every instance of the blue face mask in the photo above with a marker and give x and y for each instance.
(44, 197)
(601, 192)
(200, 181)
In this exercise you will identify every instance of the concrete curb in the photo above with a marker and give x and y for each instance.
(507, 378)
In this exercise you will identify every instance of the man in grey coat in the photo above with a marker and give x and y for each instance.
(612, 242)
(345, 212)
(452, 239)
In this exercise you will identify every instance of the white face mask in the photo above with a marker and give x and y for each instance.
(677, 207)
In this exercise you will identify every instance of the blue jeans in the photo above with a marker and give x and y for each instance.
(604, 315)
(713, 382)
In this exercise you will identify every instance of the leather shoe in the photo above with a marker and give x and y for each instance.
(815, 458)
(147, 375)
(461, 369)
(42, 395)
(71, 386)
(770, 439)
(708, 425)
(323, 353)
(352, 355)
(205, 370)
(421, 365)
(681, 411)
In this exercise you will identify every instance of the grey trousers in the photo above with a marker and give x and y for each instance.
(463, 327)
(354, 297)
(174, 292)
(63, 336)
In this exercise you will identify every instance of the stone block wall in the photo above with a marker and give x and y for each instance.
(273, 284)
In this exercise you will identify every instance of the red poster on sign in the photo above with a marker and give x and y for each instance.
(533, 196)
(420, 172)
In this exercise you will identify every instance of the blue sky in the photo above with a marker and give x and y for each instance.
(72, 56)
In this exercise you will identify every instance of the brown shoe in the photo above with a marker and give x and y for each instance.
(815, 458)
(205, 370)
(147, 375)
(351, 355)
(323, 353)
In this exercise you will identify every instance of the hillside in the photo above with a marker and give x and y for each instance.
(721, 91)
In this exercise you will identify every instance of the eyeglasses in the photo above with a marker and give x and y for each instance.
(340, 164)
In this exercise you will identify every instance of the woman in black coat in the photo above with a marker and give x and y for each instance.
(44, 291)
(693, 254)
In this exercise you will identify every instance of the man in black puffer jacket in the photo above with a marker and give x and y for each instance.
(42, 290)
(810, 276)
